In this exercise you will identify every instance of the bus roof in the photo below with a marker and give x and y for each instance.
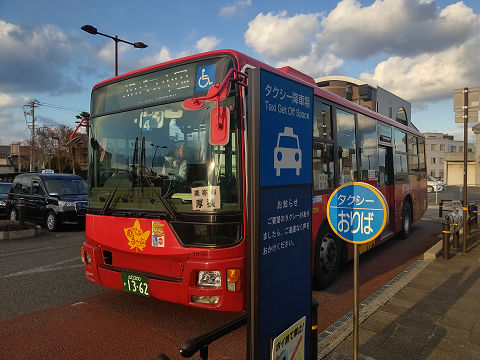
(286, 71)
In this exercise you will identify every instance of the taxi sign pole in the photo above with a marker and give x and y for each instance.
(357, 212)
(465, 166)
(355, 301)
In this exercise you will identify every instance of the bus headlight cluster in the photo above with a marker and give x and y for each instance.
(86, 257)
(209, 278)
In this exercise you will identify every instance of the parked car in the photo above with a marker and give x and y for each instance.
(434, 185)
(4, 189)
(50, 199)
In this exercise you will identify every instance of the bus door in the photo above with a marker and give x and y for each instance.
(386, 186)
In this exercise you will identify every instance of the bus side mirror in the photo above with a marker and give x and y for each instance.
(219, 126)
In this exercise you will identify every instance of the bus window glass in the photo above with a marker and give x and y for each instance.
(400, 141)
(412, 144)
(323, 166)
(421, 153)
(400, 164)
(412, 163)
(367, 140)
(322, 124)
(384, 133)
(346, 146)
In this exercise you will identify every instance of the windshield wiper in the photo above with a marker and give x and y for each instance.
(170, 210)
(132, 169)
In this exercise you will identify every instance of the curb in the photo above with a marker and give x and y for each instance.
(20, 234)
(331, 337)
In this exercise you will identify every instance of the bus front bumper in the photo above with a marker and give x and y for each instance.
(180, 286)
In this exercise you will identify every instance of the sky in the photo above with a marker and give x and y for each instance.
(421, 50)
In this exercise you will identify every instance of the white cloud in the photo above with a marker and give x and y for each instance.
(430, 76)
(160, 57)
(207, 43)
(313, 64)
(277, 36)
(395, 27)
(230, 10)
(39, 56)
(427, 51)
(12, 119)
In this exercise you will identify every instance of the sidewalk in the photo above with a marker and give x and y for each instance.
(435, 316)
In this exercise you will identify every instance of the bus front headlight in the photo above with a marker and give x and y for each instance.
(209, 278)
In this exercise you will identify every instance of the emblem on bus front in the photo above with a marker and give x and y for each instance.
(137, 238)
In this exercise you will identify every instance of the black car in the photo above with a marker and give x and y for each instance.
(4, 189)
(49, 198)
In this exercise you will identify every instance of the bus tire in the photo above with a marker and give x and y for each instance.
(328, 257)
(406, 219)
(51, 221)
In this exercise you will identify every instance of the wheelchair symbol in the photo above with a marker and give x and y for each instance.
(204, 80)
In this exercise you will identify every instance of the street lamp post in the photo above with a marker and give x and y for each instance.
(93, 30)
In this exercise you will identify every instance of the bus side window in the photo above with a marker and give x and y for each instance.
(346, 146)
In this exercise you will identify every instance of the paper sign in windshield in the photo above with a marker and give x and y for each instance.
(206, 198)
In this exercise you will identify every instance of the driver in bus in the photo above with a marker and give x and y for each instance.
(176, 163)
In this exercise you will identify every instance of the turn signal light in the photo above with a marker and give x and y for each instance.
(86, 258)
(233, 279)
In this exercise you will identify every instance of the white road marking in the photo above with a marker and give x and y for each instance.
(61, 265)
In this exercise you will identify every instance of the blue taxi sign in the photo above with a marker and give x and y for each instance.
(357, 212)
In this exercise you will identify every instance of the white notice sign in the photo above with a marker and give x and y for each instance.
(206, 198)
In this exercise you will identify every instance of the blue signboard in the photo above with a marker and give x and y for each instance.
(205, 77)
(286, 130)
(284, 239)
(357, 212)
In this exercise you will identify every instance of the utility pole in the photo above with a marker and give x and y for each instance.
(33, 104)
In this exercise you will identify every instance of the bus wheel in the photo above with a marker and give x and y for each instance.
(407, 219)
(327, 258)
(52, 223)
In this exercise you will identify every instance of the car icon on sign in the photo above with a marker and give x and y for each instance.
(287, 153)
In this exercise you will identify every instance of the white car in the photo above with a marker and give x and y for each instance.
(287, 154)
(434, 185)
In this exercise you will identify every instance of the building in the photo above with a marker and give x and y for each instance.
(5, 161)
(445, 157)
(373, 97)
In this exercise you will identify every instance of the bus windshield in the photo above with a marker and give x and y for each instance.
(143, 158)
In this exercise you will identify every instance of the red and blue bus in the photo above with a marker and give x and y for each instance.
(167, 212)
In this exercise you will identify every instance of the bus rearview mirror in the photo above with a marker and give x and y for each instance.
(219, 126)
